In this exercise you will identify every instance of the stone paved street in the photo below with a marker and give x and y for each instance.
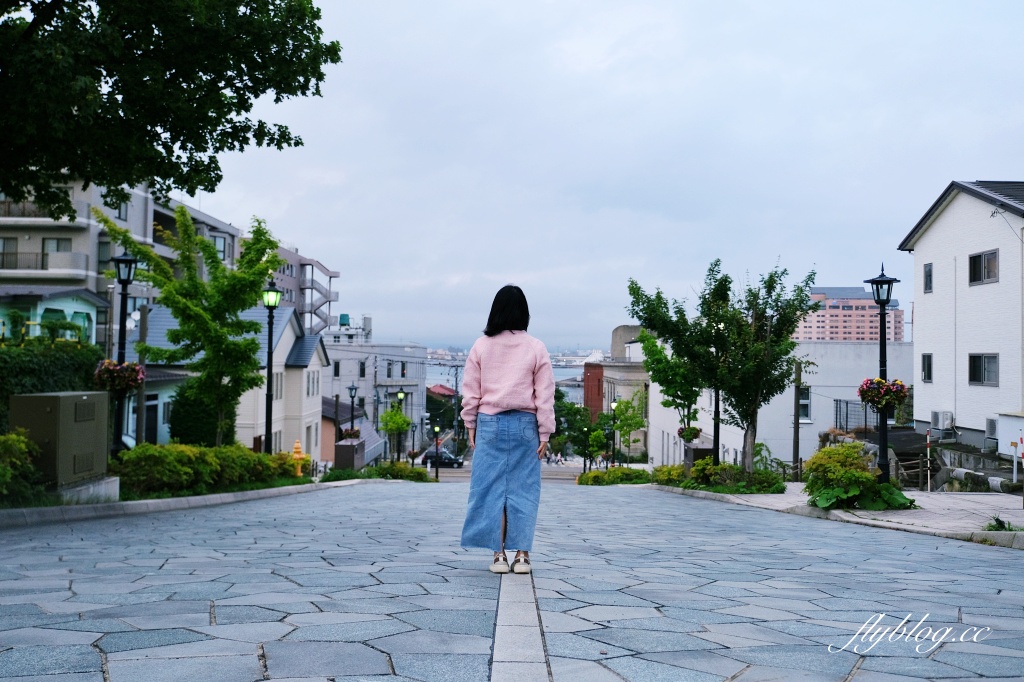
(367, 582)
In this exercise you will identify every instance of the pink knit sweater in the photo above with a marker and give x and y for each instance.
(510, 371)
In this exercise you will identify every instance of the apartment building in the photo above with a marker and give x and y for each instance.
(848, 314)
(307, 284)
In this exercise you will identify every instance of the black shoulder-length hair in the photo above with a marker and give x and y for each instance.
(509, 312)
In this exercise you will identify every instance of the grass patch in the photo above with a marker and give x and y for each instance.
(1000, 526)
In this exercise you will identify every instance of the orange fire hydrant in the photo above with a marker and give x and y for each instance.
(297, 456)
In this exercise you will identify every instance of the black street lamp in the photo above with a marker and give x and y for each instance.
(437, 453)
(611, 458)
(124, 271)
(586, 449)
(881, 291)
(414, 448)
(352, 390)
(271, 299)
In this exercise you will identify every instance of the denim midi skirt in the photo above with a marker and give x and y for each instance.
(505, 477)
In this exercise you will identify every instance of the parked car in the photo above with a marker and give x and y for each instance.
(446, 459)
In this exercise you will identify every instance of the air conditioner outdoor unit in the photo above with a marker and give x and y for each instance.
(942, 420)
(991, 428)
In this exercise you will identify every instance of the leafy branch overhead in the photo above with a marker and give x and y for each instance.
(211, 337)
(126, 92)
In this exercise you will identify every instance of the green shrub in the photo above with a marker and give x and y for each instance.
(194, 419)
(402, 471)
(20, 481)
(41, 366)
(341, 475)
(176, 469)
(839, 477)
(618, 475)
(702, 471)
(670, 474)
(592, 477)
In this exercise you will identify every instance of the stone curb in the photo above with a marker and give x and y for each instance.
(33, 516)
(1012, 540)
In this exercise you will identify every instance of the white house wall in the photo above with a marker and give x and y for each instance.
(839, 368)
(957, 319)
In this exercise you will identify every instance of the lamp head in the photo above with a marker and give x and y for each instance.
(272, 295)
(124, 268)
(352, 390)
(437, 429)
(615, 404)
(401, 395)
(881, 288)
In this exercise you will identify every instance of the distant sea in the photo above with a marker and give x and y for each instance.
(445, 376)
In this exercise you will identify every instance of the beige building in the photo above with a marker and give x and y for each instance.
(848, 314)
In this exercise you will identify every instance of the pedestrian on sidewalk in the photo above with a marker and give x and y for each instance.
(508, 401)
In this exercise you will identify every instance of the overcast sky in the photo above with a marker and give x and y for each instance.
(567, 146)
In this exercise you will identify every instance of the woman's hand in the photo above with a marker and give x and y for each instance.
(472, 438)
(542, 449)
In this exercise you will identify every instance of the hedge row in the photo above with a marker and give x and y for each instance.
(174, 470)
(392, 470)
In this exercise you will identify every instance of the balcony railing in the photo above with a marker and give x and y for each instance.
(29, 209)
(60, 260)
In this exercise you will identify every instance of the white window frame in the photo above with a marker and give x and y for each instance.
(927, 367)
(928, 278)
(805, 415)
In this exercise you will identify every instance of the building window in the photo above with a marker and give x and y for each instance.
(362, 369)
(166, 417)
(927, 278)
(122, 211)
(805, 403)
(983, 369)
(361, 402)
(405, 369)
(276, 441)
(136, 302)
(337, 368)
(278, 385)
(983, 268)
(926, 366)
(391, 368)
(56, 245)
(221, 244)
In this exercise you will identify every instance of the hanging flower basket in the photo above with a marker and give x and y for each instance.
(881, 394)
(111, 376)
(688, 433)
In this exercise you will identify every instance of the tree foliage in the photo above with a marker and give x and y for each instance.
(572, 423)
(211, 339)
(677, 370)
(125, 92)
(760, 362)
(193, 419)
(629, 417)
(394, 422)
(38, 365)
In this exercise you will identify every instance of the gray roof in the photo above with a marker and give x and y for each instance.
(344, 409)
(160, 322)
(42, 292)
(848, 293)
(1004, 195)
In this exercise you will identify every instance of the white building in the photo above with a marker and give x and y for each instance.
(838, 369)
(969, 308)
(380, 371)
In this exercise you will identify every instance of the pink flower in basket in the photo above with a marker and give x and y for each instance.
(111, 376)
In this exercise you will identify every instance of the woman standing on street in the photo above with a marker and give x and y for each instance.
(508, 407)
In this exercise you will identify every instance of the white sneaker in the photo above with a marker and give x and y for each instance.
(500, 563)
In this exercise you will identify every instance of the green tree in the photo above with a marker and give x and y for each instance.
(681, 370)
(760, 359)
(211, 339)
(193, 421)
(571, 422)
(127, 92)
(394, 423)
(629, 418)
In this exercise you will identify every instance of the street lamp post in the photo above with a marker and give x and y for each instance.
(612, 457)
(352, 390)
(271, 299)
(414, 448)
(437, 453)
(401, 437)
(124, 270)
(881, 291)
(586, 449)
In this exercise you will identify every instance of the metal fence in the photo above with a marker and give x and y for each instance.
(853, 415)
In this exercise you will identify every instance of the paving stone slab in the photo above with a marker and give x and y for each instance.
(981, 664)
(463, 622)
(442, 667)
(569, 645)
(147, 639)
(429, 642)
(642, 670)
(358, 631)
(43, 660)
(228, 669)
(305, 659)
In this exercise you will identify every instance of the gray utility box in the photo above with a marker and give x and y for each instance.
(70, 429)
